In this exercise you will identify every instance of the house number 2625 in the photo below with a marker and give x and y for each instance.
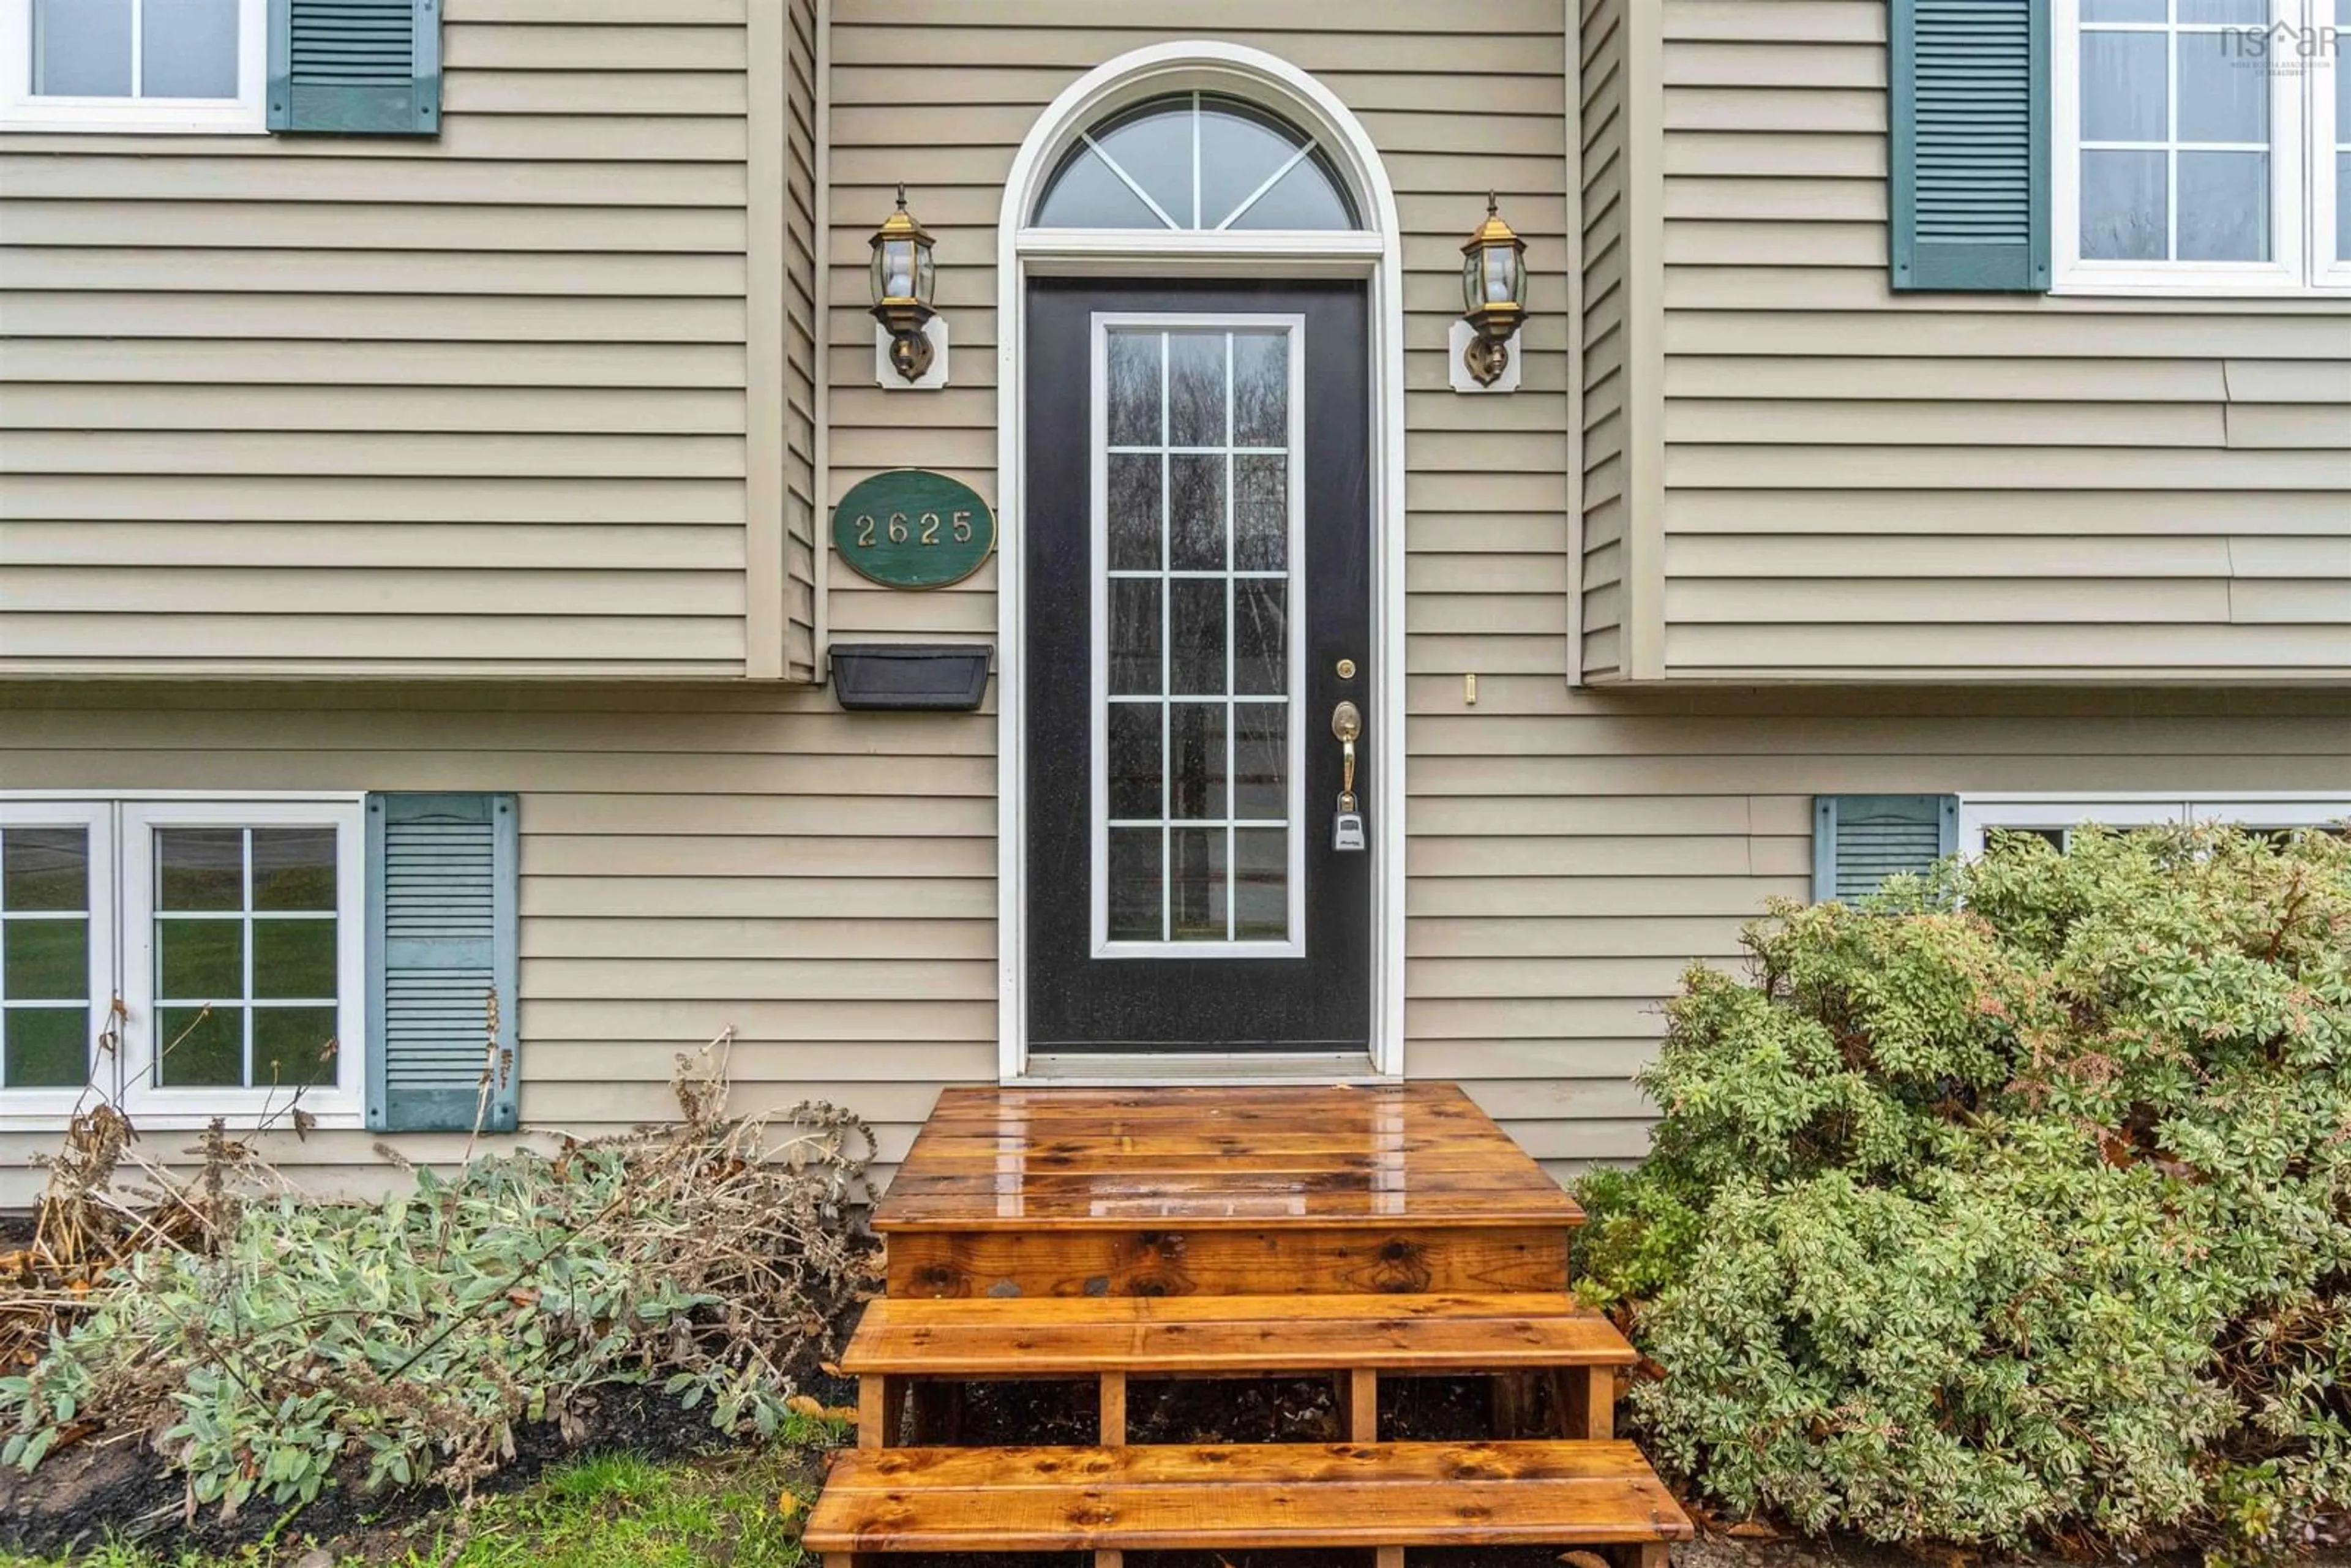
(909, 528)
(922, 530)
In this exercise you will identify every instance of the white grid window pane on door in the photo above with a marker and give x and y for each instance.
(2177, 140)
(1197, 747)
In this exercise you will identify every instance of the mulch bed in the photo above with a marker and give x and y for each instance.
(119, 1489)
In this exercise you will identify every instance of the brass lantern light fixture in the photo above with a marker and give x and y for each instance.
(902, 281)
(1493, 295)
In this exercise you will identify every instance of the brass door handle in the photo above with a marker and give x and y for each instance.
(1347, 723)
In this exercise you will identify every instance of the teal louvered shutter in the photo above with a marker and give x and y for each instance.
(355, 67)
(1859, 840)
(1969, 117)
(442, 925)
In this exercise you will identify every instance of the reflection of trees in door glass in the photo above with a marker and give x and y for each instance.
(1259, 636)
(1260, 885)
(1133, 389)
(1137, 914)
(1196, 389)
(1134, 661)
(1261, 514)
(1198, 749)
(1135, 780)
(1196, 884)
(1261, 761)
(1136, 517)
(1196, 512)
(1261, 389)
(1195, 650)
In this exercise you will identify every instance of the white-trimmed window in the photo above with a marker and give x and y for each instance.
(133, 66)
(2055, 817)
(2197, 147)
(233, 930)
(57, 950)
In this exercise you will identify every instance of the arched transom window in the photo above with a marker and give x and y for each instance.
(1195, 160)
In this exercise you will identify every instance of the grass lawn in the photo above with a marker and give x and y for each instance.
(611, 1511)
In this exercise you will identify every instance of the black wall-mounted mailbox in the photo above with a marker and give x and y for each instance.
(945, 677)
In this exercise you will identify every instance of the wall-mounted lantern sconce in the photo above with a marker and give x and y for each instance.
(1494, 304)
(913, 340)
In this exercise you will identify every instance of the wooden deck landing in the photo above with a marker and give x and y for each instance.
(1328, 1159)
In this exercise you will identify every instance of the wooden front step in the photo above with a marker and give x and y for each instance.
(1258, 1496)
(1248, 1336)
(1524, 1338)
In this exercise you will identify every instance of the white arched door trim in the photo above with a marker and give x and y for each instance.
(1374, 253)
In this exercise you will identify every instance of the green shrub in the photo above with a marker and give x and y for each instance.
(404, 1341)
(2014, 1204)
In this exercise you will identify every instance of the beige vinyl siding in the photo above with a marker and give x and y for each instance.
(1602, 169)
(824, 882)
(1570, 851)
(1459, 101)
(1569, 861)
(692, 859)
(505, 401)
(1860, 486)
(700, 856)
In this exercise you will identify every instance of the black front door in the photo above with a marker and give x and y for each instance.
(1198, 583)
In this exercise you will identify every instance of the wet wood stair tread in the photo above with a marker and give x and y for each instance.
(1388, 1157)
(1146, 1335)
(1258, 1495)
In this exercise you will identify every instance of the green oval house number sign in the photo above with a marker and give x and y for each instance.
(909, 528)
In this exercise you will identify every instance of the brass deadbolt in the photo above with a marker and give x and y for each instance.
(1346, 669)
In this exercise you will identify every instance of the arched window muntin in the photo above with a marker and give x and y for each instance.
(1196, 160)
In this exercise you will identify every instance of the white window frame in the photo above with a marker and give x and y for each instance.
(244, 115)
(2301, 179)
(2330, 268)
(124, 955)
(344, 1103)
(1098, 796)
(47, 1108)
(1979, 815)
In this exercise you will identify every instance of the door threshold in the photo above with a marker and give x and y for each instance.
(1199, 1069)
